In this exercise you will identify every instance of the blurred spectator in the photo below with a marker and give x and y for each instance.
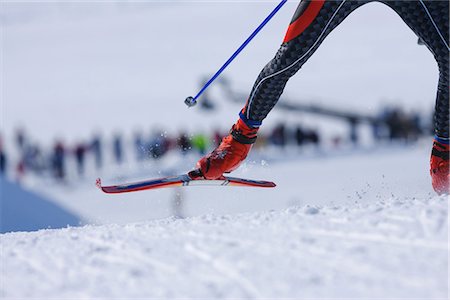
(20, 170)
(80, 152)
(139, 146)
(158, 146)
(353, 136)
(305, 136)
(96, 147)
(394, 123)
(313, 137)
(2, 159)
(184, 143)
(200, 142)
(117, 148)
(58, 160)
(20, 139)
(300, 136)
(378, 129)
(278, 136)
(336, 141)
(33, 158)
(415, 127)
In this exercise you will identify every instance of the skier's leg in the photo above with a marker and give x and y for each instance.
(429, 20)
(311, 23)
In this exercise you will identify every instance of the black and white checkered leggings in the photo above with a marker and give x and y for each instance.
(315, 19)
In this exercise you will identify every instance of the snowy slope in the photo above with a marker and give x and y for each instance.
(386, 249)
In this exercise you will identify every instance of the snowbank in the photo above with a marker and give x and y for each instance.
(388, 249)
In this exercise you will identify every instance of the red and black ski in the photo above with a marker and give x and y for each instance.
(181, 180)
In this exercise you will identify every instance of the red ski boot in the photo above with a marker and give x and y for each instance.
(439, 167)
(230, 153)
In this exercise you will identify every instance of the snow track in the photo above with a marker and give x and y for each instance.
(389, 249)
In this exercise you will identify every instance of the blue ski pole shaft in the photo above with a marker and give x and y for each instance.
(191, 101)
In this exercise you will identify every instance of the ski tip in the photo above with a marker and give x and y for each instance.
(98, 183)
(263, 184)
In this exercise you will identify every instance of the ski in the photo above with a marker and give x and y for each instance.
(181, 180)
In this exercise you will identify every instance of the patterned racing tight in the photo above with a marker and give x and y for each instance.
(315, 19)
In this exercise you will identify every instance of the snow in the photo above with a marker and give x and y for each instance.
(386, 249)
(354, 223)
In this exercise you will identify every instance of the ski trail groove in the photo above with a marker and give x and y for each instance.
(226, 270)
(377, 238)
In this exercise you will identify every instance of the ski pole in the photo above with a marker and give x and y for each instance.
(191, 101)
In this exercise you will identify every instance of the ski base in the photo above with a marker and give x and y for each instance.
(181, 180)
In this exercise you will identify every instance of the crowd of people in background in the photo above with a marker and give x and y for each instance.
(29, 157)
(391, 125)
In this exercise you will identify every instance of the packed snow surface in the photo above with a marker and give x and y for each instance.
(389, 249)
